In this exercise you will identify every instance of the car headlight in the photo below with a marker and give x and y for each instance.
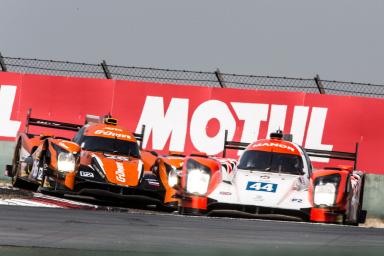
(172, 178)
(197, 181)
(66, 162)
(325, 190)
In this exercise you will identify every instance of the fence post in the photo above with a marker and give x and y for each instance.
(319, 84)
(106, 70)
(2, 64)
(220, 78)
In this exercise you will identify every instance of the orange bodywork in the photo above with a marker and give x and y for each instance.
(123, 171)
(175, 162)
(119, 170)
(103, 159)
(212, 164)
(340, 203)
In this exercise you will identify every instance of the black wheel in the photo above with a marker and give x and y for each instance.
(16, 181)
(171, 207)
(361, 214)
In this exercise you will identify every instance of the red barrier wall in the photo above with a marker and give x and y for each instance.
(192, 118)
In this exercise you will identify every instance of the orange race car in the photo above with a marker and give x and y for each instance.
(103, 160)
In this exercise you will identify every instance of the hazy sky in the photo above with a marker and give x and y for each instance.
(340, 40)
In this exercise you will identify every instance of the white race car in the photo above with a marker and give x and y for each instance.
(273, 179)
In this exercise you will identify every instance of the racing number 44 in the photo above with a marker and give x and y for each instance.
(261, 186)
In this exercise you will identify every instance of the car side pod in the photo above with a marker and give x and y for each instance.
(324, 215)
(193, 205)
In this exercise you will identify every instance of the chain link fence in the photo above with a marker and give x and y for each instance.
(184, 77)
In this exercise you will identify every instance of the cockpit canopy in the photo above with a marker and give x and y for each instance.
(110, 145)
(275, 162)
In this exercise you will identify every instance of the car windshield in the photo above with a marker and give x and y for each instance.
(271, 162)
(110, 145)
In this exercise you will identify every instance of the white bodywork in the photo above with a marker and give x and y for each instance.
(266, 189)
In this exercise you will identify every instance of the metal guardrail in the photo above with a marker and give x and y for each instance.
(185, 77)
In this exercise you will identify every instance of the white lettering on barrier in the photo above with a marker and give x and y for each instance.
(315, 133)
(173, 124)
(252, 114)
(211, 109)
(163, 125)
(8, 128)
(277, 118)
(299, 122)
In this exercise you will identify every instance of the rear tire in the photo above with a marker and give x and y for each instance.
(361, 214)
(16, 181)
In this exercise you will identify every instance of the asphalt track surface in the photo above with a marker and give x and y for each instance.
(49, 231)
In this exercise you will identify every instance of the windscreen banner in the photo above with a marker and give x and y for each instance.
(190, 119)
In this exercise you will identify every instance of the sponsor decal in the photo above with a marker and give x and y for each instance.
(278, 145)
(114, 157)
(153, 182)
(87, 174)
(113, 134)
(157, 121)
(120, 174)
(225, 193)
(113, 129)
(261, 186)
(258, 198)
(297, 200)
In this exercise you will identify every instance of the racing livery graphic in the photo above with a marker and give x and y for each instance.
(273, 179)
(103, 160)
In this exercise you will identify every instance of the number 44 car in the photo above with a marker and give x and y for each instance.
(274, 179)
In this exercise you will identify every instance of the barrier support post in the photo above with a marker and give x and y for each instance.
(2, 64)
(106, 70)
(319, 84)
(220, 78)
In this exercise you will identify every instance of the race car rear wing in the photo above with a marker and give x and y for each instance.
(48, 123)
(236, 145)
(350, 156)
(72, 127)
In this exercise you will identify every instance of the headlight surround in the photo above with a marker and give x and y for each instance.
(66, 162)
(325, 190)
(198, 177)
